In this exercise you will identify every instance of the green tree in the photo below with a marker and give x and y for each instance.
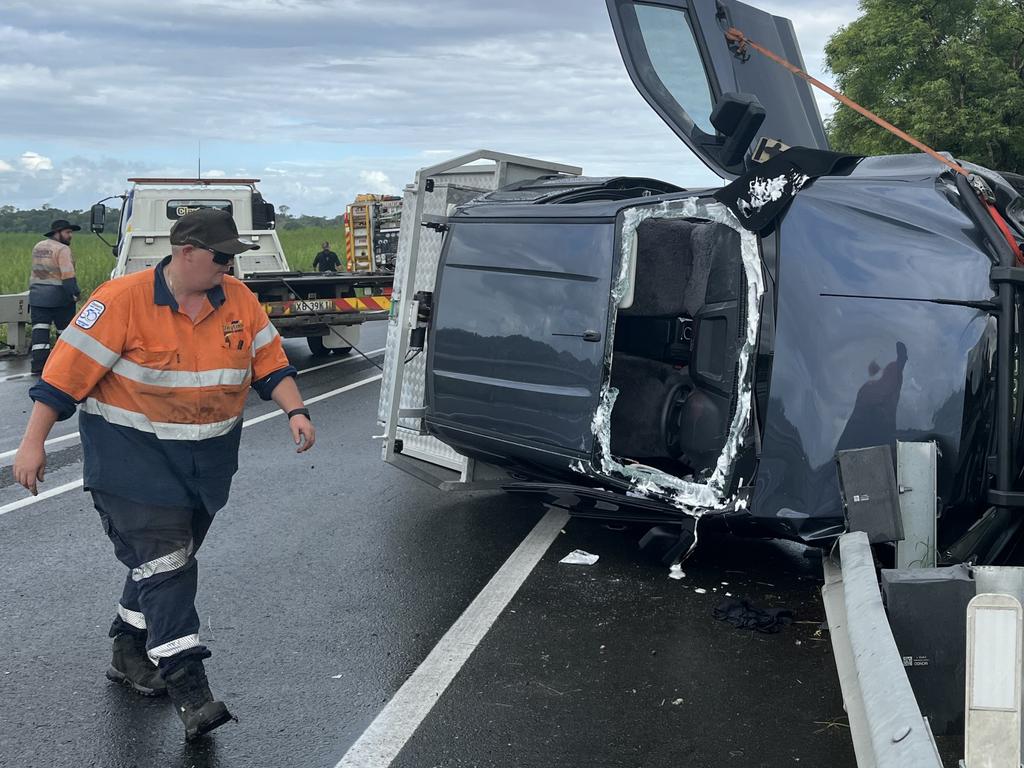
(948, 72)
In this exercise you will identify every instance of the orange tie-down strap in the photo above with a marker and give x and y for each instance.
(740, 43)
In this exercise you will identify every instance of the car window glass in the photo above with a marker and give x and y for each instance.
(673, 52)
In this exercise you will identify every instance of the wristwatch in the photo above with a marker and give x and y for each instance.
(299, 412)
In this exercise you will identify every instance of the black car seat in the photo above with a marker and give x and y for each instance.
(669, 286)
(701, 425)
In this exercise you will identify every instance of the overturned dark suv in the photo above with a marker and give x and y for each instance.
(630, 349)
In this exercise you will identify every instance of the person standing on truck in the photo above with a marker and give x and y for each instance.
(327, 260)
(161, 361)
(53, 288)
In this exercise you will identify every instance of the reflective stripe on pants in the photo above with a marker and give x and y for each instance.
(42, 319)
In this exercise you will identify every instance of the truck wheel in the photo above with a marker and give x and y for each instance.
(316, 346)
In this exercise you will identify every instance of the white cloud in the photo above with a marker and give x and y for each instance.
(5, 167)
(349, 96)
(377, 182)
(33, 161)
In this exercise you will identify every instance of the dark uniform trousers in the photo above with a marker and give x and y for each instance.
(42, 319)
(158, 545)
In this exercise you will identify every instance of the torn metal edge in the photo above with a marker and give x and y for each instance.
(691, 497)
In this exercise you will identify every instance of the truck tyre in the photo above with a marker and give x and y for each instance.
(316, 346)
(318, 349)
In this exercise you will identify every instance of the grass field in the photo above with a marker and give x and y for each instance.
(93, 260)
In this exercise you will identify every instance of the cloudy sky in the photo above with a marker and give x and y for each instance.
(323, 99)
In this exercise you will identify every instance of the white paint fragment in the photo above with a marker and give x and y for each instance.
(579, 557)
(762, 191)
(677, 702)
(676, 572)
(700, 591)
(336, 677)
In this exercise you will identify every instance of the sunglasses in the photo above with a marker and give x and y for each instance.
(219, 257)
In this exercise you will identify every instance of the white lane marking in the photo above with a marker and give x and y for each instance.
(78, 483)
(392, 728)
(73, 435)
(51, 441)
(42, 496)
(15, 376)
(317, 399)
(371, 353)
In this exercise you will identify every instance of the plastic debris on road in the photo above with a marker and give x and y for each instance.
(579, 557)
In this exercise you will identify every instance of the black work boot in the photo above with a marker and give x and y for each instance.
(132, 668)
(190, 694)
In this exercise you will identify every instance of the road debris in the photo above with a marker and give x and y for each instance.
(742, 614)
(579, 557)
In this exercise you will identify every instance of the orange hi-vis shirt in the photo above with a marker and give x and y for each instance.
(162, 396)
(53, 282)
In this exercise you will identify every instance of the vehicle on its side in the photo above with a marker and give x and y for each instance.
(629, 349)
(326, 309)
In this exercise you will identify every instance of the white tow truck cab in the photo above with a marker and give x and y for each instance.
(326, 309)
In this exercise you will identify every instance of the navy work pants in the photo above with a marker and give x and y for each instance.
(158, 545)
(42, 319)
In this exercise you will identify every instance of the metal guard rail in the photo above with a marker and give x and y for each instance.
(886, 724)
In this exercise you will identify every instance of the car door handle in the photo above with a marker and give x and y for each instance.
(586, 335)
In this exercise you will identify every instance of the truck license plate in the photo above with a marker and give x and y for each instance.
(313, 305)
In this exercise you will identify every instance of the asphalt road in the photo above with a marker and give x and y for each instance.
(329, 579)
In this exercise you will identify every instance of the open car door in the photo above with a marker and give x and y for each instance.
(719, 101)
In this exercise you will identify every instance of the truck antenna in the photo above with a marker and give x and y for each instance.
(199, 159)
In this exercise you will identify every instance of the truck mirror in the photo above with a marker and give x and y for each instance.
(98, 218)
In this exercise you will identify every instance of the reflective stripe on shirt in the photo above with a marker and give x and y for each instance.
(163, 430)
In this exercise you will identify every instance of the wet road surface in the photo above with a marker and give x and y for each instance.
(330, 577)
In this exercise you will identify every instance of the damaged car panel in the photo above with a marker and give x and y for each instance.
(560, 373)
(863, 355)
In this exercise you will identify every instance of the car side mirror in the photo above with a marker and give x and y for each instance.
(738, 117)
(98, 218)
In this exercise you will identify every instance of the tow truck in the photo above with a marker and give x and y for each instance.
(326, 309)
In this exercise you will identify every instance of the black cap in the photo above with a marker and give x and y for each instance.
(60, 224)
(210, 228)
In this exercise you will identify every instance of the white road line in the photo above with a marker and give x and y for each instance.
(51, 441)
(14, 377)
(371, 353)
(392, 728)
(73, 435)
(28, 500)
(317, 399)
(78, 483)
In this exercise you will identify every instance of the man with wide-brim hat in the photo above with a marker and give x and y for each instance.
(161, 362)
(53, 289)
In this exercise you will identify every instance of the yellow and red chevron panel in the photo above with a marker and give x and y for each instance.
(346, 305)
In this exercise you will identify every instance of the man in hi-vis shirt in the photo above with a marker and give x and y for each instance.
(52, 289)
(161, 362)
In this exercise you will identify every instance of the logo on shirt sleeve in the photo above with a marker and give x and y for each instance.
(87, 317)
